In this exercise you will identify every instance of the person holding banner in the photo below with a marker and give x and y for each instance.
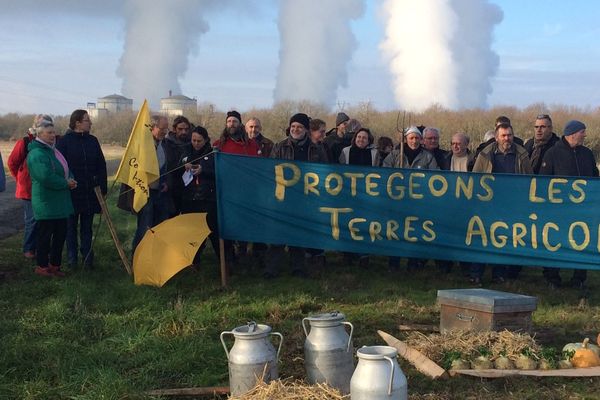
(413, 155)
(569, 157)
(159, 204)
(298, 147)
(360, 152)
(503, 155)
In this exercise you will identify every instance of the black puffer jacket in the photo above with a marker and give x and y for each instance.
(202, 187)
(564, 160)
(88, 166)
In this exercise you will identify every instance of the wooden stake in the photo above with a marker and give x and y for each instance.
(223, 263)
(112, 229)
(416, 358)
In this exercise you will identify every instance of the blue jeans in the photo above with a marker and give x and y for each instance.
(153, 213)
(85, 223)
(30, 235)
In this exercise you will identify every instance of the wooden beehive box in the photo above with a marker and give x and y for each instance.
(485, 310)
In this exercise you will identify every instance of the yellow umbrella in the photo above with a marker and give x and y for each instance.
(168, 248)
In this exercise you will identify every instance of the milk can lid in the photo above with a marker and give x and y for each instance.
(332, 316)
(252, 329)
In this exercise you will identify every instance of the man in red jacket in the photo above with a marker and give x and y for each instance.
(17, 164)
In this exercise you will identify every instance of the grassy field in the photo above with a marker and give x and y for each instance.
(94, 335)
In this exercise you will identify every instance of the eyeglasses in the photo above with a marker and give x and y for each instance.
(540, 126)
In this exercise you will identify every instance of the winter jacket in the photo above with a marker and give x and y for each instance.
(423, 160)
(202, 187)
(265, 145)
(345, 156)
(50, 194)
(285, 150)
(335, 144)
(529, 147)
(246, 147)
(564, 160)
(17, 165)
(441, 158)
(470, 160)
(484, 162)
(86, 162)
(2, 176)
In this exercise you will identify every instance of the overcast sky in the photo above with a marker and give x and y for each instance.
(56, 56)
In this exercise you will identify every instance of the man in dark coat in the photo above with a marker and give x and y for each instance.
(298, 147)
(86, 162)
(175, 144)
(541, 142)
(339, 137)
(431, 142)
(569, 157)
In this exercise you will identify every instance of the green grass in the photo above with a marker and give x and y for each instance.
(94, 335)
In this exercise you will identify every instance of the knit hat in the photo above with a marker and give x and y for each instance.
(234, 114)
(413, 129)
(301, 119)
(341, 117)
(40, 121)
(572, 127)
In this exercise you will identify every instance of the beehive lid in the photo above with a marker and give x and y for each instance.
(487, 300)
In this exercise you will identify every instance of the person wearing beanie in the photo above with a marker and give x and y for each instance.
(86, 161)
(17, 166)
(296, 147)
(234, 139)
(339, 137)
(569, 157)
(415, 156)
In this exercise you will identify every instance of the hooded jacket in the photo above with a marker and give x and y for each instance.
(17, 164)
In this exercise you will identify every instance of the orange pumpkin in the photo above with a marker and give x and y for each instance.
(585, 357)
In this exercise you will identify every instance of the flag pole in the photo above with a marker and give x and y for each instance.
(223, 263)
(112, 229)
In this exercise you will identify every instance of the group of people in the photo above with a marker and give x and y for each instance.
(56, 179)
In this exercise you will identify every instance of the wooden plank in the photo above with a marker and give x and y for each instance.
(419, 327)
(197, 391)
(503, 373)
(111, 228)
(420, 361)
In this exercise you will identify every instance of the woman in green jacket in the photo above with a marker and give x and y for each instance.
(51, 183)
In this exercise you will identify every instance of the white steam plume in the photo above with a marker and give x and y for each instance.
(159, 38)
(316, 47)
(439, 51)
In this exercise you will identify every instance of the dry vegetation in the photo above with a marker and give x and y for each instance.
(115, 128)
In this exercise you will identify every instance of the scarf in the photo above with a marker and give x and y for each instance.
(536, 154)
(61, 159)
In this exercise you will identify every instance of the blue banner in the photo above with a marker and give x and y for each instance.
(499, 219)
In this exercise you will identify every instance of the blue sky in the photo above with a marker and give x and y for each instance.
(54, 60)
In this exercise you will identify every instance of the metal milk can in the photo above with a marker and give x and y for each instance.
(378, 375)
(252, 357)
(328, 352)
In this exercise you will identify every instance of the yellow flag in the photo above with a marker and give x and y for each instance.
(139, 165)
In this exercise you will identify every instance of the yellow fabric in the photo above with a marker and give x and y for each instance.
(168, 248)
(139, 165)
